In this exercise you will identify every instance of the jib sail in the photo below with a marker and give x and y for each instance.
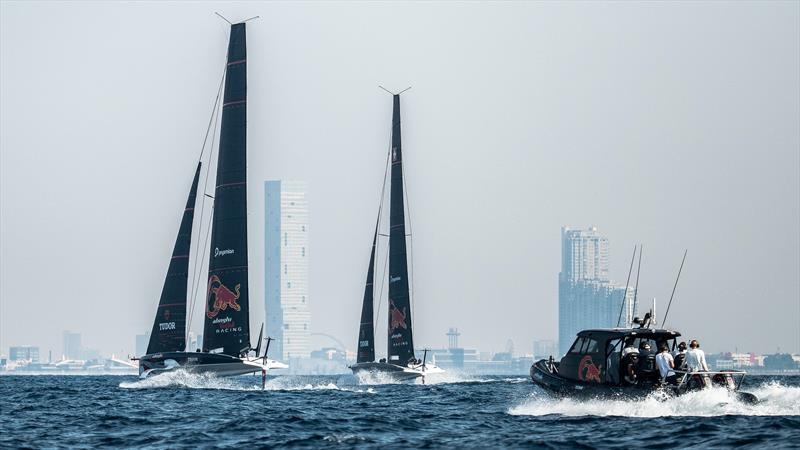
(169, 326)
(366, 335)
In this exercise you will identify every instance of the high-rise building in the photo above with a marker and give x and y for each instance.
(544, 349)
(586, 297)
(584, 255)
(72, 345)
(288, 316)
(23, 353)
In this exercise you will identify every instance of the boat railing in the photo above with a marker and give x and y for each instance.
(710, 373)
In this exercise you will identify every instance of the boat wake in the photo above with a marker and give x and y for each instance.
(775, 399)
(187, 380)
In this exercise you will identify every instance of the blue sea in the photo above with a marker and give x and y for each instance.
(180, 410)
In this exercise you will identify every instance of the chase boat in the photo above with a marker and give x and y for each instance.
(595, 367)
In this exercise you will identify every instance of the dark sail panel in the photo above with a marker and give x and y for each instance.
(401, 344)
(227, 320)
(366, 335)
(169, 327)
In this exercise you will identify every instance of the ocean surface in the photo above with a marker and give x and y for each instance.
(190, 411)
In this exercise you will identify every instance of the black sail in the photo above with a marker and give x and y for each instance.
(227, 320)
(169, 326)
(401, 344)
(366, 335)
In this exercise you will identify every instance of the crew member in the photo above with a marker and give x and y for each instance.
(696, 358)
(680, 356)
(665, 364)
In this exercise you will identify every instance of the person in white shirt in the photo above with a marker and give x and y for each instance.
(665, 364)
(696, 358)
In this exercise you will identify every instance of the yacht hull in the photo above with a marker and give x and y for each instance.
(202, 363)
(393, 371)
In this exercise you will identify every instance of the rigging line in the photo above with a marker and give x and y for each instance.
(638, 269)
(664, 322)
(625, 295)
(212, 120)
(386, 261)
(410, 255)
(214, 109)
(197, 285)
(196, 270)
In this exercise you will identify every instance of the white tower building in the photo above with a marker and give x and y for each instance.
(288, 316)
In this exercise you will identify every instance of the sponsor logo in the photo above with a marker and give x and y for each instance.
(588, 371)
(394, 154)
(393, 279)
(227, 251)
(164, 326)
(363, 343)
(397, 318)
(220, 297)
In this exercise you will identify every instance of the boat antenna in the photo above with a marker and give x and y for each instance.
(664, 322)
(638, 269)
(625, 295)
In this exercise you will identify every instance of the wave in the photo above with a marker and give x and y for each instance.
(775, 399)
(188, 380)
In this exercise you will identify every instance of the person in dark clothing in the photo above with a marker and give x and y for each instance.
(680, 356)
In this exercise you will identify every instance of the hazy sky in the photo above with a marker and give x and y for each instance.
(675, 125)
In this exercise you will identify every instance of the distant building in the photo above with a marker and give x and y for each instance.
(23, 353)
(141, 344)
(544, 349)
(586, 297)
(72, 345)
(288, 316)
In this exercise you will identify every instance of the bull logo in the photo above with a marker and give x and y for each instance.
(223, 297)
(397, 319)
(587, 371)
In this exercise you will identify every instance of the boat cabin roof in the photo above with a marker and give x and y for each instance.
(614, 333)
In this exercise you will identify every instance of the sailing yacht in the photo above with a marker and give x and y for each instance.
(401, 363)
(227, 349)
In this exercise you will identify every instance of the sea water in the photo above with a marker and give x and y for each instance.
(181, 410)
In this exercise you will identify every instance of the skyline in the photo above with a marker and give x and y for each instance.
(686, 142)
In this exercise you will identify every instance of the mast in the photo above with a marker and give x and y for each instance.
(227, 319)
(366, 335)
(401, 344)
(169, 327)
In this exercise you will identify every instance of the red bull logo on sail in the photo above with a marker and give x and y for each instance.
(223, 298)
(397, 319)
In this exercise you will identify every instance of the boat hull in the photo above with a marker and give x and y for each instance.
(545, 375)
(394, 372)
(202, 363)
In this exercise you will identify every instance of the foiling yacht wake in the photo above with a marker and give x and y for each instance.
(187, 380)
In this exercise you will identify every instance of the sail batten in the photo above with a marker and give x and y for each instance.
(169, 327)
(400, 342)
(227, 319)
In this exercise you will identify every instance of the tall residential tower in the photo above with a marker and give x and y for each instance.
(586, 297)
(286, 279)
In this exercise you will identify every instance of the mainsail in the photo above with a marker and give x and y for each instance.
(401, 344)
(169, 326)
(227, 320)
(366, 335)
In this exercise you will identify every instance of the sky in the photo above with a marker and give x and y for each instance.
(671, 124)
